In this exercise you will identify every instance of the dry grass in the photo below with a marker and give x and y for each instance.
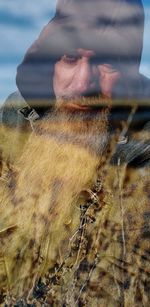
(40, 194)
(86, 238)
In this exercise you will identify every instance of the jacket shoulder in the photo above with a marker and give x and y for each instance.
(136, 151)
(9, 111)
(14, 128)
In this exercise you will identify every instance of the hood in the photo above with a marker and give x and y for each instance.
(112, 28)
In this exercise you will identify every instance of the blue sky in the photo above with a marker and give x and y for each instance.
(20, 24)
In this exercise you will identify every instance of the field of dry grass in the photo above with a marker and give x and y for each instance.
(72, 220)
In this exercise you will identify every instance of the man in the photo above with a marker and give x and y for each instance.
(88, 48)
(84, 51)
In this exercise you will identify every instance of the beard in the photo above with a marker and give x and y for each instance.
(60, 160)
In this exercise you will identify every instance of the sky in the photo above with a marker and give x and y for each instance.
(20, 24)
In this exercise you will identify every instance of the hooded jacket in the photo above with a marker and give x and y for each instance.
(113, 29)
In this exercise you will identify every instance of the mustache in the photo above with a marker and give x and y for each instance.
(92, 100)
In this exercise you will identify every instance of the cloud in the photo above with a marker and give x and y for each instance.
(35, 8)
(7, 80)
(145, 69)
(15, 42)
(146, 49)
(20, 24)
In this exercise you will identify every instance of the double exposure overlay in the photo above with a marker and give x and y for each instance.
(75, 158)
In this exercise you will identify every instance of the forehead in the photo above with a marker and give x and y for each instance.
(86, 52)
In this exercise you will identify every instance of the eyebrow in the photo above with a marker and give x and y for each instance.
(76, 54)
(72, 53)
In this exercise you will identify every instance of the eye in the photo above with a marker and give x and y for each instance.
(108, 68)
(70, 59)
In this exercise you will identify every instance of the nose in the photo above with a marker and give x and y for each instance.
(87, 78)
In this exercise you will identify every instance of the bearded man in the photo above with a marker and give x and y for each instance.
(87, 49)
(71, 206)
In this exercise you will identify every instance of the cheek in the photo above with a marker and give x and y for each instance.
(107, 82)
(63, 79)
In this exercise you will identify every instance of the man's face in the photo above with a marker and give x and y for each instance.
(80, 75)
